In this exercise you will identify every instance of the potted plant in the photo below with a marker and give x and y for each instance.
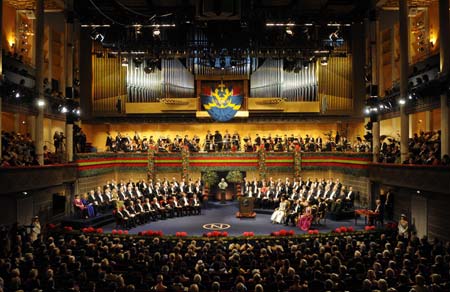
(235, 177)
(209, 178)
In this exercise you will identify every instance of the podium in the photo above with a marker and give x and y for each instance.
(246, 207)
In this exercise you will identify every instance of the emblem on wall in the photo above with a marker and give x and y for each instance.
(222, 103)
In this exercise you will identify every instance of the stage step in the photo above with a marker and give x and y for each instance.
(96, 222)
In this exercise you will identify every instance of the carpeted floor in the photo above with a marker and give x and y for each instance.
(226, 214)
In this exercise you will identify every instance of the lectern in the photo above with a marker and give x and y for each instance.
(246, 207)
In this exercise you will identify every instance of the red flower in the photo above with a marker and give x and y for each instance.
(316, 231)
(350, 229)
(276, 233)
(99, 230)
(114, 231)
(291, 232)
(120, 232)
(283, 232)
(338, 230)
(310, 231)
(51, 226)
(224, 233)
(125, 232)
(343, 229)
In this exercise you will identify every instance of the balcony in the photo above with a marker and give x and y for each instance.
(19, 179)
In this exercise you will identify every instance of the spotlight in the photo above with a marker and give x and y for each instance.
(289, 31)
(402, 101)
(78, 112)
(233, 63)
(137, 62)
(156, 32)
(409, 96)
(64, 110)
(17, 94)
(367, 110)
(97, 36)
(324, 61)
(41, 103)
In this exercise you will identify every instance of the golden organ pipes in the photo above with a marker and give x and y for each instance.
(301, 86)
(335, 84)
(266, 80)
(143, 86)
(177, 81)
(108, 83)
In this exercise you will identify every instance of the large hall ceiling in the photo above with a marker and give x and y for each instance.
(221, 23)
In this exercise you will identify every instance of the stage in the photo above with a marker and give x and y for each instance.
(222, 217)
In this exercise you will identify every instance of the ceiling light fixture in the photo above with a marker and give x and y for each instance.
(156, 32)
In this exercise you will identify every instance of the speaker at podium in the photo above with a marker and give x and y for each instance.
(246, 205)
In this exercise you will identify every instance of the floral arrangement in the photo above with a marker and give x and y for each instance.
(262, 163)
(216, 234)
(283, 232)
(151, 233)
(181, 234)
(369, 227)
(313, 231)
(297, 161)
(344, 229)
(210, 178)
(248, 234)
(119, 232)
(185, 162)
(234, 176)
(51, 226)
(151, 162)
(92, 230)
(68, 228)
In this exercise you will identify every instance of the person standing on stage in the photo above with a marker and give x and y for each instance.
(223, 187)
(403, 227)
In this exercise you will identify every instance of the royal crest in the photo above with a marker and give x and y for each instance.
(222, 103)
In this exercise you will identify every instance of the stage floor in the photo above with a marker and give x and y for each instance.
(220, 216)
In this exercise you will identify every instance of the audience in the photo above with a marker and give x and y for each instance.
(17, 150)
(358, 262)
(424, 148)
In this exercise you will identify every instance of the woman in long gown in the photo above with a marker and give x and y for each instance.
(279, 214)
(88, 205)
(305, 219)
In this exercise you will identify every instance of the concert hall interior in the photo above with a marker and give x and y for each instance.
(224, 145)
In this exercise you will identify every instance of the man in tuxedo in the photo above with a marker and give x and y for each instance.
(195, 205)
(350, 198)
(159, 208)
(293, 213)
(150, 210)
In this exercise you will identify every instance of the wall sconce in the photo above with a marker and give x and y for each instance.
(432, 40)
